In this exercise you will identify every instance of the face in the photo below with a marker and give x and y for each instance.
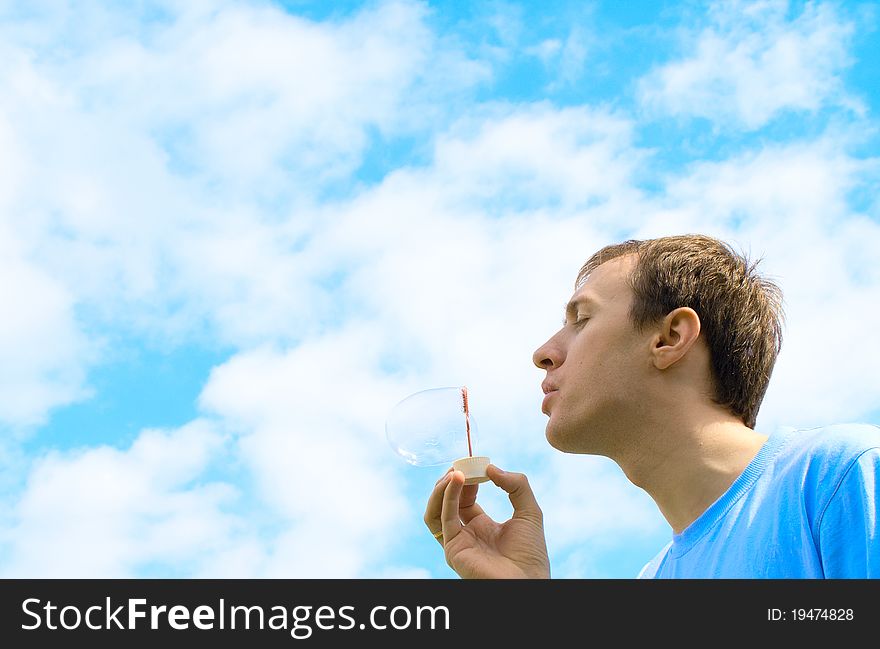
(595, 364)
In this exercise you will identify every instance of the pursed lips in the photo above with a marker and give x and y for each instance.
(548, 389)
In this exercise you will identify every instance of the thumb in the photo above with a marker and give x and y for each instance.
(519, 491)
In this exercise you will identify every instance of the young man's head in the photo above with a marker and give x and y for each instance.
(659, 330)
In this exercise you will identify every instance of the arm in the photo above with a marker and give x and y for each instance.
(478, 547)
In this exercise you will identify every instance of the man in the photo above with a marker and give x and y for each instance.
(661, 365)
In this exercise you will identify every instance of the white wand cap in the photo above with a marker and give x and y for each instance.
(474, 468)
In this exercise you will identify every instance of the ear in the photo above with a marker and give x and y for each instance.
(678, 332)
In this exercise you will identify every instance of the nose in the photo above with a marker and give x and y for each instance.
(549, 355)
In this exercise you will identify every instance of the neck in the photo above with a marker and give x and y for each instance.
(686, 466)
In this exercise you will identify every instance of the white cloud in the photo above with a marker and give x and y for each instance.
(564, 59)
(175, 148)
(538, 156)
(311, 424)
(547, 50)
(588, 498)
(752, 63)
(41, 351)
(104, 512)
(826, 372)
(573, 57)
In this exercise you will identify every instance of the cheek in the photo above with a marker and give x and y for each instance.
(601, 371)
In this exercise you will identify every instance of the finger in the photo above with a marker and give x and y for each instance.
(518, 490)
(449, 516)
(444, 477)
(468, 508)
(435, 506)
(468, 495)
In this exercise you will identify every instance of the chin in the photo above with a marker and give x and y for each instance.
(569, 439)
(559, 438)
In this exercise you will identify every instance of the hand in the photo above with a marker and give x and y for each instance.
(476, 546)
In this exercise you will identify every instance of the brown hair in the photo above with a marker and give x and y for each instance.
(740, 311)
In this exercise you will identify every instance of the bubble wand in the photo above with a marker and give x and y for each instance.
(426, 429)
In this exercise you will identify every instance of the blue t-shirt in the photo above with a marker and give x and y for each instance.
(805, 507)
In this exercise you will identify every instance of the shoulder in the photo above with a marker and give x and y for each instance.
(816, 460)
(835, 443)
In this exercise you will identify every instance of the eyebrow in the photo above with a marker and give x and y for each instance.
(571, 308)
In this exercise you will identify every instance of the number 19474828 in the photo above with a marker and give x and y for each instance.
(809, 614)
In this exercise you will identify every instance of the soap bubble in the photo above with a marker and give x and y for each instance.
(431, 427)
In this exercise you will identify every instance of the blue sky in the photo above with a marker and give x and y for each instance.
(235, 234)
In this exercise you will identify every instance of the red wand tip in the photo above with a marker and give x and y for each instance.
(467, 420)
